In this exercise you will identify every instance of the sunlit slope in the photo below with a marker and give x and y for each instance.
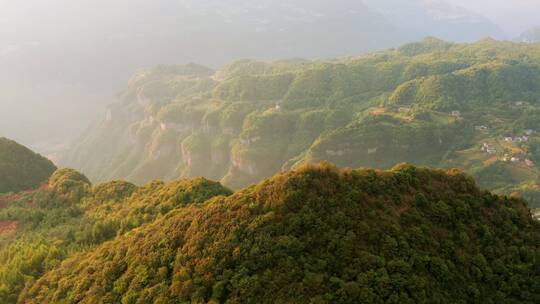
(319, 235)
(20, 168)
(41, 228)
(471, 106)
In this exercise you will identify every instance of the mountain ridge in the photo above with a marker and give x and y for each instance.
(318, 234)
(429, 103)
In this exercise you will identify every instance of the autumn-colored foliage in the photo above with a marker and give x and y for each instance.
(318, 235)
(39, 229)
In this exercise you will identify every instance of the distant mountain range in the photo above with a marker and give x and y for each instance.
(530, 36)
(54, 75)
(436, 18)
(471, 106)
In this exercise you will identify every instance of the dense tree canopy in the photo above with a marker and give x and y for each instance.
(20, 168)
(39, 229)
(313, 235)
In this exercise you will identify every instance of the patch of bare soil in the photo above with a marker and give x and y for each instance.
(8, 228)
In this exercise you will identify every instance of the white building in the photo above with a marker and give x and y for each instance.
(372, 151)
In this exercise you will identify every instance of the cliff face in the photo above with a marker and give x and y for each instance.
(429, 103)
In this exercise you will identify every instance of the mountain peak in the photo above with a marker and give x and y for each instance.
(317, 235)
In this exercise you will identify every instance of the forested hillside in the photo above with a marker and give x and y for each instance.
(471, 106)
(20, 168)
(39, 229)
(314, 235)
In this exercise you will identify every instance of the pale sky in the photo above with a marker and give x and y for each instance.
(514, 16)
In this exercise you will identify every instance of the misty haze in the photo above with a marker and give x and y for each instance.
(300, 151)
(63, 61)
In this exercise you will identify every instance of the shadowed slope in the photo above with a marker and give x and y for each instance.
(20, 168)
